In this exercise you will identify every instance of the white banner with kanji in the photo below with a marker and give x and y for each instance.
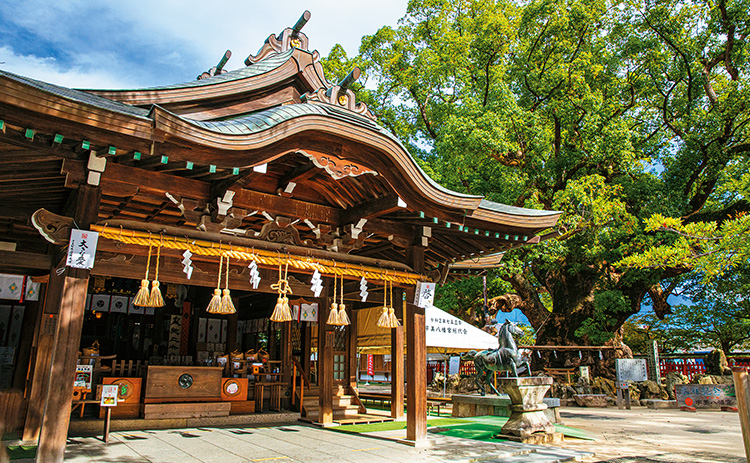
(82, 248)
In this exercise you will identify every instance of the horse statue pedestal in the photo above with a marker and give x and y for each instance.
(528, 422)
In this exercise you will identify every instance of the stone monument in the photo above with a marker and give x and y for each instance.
(528, 423)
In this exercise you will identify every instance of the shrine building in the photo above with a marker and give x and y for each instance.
(209, 246)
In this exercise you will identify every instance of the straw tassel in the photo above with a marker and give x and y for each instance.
(227, 306)
(215, 305)
(143, 297)
(156, 299)
(343, 317)
(282, 312)
(333, 315)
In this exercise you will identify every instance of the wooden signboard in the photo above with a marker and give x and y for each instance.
(182, 384)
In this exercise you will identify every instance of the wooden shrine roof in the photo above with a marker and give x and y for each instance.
(266, 151)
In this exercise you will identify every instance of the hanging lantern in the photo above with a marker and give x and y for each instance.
(333, 315)
(156, 299)
(282, 312)
(226, 306)
(215, 305)
(143, 297)
(343, 317)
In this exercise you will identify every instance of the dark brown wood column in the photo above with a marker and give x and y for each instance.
(352, 347)
(45, 339)
(397, 360)
(416, 358)
(326, 339)
(72, 297)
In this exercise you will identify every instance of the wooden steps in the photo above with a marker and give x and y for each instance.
(345, 411)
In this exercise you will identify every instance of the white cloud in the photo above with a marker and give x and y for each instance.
(49, 70)
(143, 43)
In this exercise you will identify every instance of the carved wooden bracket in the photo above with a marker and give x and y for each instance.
(291, 37)
(54, 228)
(336, 167)
(338, 96)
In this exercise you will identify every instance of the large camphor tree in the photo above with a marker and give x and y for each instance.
(610, 112)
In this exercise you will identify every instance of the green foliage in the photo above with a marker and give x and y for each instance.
(719, 317)
(608, 112)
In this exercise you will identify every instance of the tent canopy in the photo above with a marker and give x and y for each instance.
(444, 333)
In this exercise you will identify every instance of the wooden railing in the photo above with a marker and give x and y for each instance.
(304, 381)
(355, 396)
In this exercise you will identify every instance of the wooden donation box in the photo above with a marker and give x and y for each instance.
(183, 392)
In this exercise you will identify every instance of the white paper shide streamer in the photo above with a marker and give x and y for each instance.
(254, 274)
(317, 283)
(363, 289)
(187, 264)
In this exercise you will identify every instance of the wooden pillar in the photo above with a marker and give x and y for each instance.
(397, 360)
(306, 347)
(352, 347)
(286, 352)
(416, 357)
(72, 296)
(326, 340)
(42, 357)
(742, 391)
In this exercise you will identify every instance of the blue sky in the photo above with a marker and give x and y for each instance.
(132, 44)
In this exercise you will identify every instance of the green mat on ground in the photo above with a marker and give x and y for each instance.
(484, 427)
(18, 452)
(393, 425)
(477, 428)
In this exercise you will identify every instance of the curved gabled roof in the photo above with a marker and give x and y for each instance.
(248, 138)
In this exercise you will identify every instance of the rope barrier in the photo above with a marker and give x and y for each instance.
(267, 258)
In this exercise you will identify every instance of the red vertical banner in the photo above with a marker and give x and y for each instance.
(370, 365)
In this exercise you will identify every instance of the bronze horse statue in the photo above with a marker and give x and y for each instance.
(504, 358)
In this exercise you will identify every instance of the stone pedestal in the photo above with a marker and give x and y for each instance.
(527, 419)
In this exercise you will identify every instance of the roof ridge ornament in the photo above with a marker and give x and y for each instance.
(340, 95)
(291, 37)
(218, 69)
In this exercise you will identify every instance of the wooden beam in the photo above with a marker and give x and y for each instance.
(275, 204)
(373, 208)
(17, 261)
(298, 175)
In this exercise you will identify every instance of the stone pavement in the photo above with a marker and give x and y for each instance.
(643, 435)
(294, 443)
